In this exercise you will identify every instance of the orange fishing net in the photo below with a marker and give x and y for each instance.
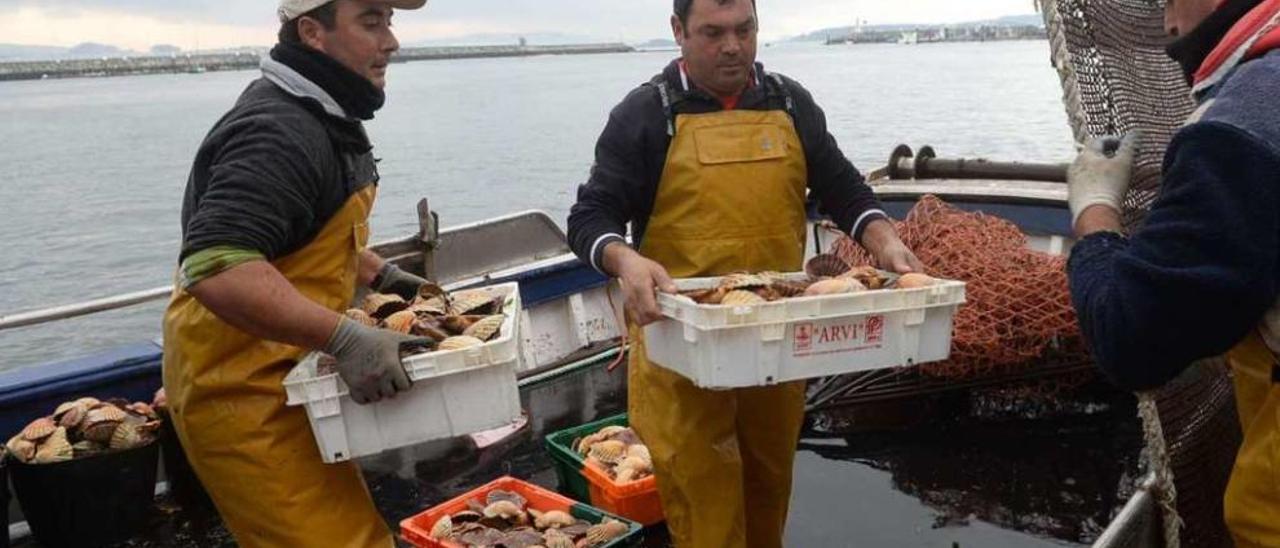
(1018, 303)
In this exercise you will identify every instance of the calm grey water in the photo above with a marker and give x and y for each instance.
(94, 169)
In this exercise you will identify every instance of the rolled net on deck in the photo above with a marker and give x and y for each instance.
(1018, 307)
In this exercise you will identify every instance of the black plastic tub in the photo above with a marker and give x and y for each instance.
(184, 486)
(88, 502)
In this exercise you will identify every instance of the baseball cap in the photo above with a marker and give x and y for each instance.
(291, 9)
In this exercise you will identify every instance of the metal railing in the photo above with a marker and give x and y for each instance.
(58, 313)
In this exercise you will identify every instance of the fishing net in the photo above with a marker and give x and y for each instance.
(1018, 307)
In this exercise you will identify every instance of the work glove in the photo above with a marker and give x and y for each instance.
(369, 359)
(1101, 173)
(391, 279)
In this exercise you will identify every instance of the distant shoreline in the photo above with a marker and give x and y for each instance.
(200, 63)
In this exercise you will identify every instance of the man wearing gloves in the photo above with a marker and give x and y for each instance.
(1200, 278)
(274, 245)
(711, 163)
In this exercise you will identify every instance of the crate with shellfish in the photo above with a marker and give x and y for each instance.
(510, 512)
(605, 463)
(759, 329)
(464, 381)
(86, 474)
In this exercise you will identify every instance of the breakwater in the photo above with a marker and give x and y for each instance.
(211, 62)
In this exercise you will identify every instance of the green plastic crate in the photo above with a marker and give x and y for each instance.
(568, 464)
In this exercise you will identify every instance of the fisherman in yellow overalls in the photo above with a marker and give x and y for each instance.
(1202, 275)
(710, 163)
(274, 245)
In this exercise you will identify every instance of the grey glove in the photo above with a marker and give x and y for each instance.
(1101, 173)
(391, 279)
(369, 360)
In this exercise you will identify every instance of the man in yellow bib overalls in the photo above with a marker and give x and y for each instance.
(710, 163)
(1202, 275)
(274, 235)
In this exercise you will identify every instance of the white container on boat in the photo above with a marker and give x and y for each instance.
(454, 393)
(719, 346)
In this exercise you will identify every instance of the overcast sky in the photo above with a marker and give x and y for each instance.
(192, 24)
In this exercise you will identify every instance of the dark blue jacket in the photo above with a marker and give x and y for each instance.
(1205, 266)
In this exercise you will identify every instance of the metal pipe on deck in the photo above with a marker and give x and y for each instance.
(904, 164)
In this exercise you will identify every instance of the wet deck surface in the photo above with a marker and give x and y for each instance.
(1007, 483)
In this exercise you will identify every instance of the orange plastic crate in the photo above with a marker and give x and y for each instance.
(416, 530)
(635, 500)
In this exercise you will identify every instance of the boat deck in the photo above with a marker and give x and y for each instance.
(1016, 482)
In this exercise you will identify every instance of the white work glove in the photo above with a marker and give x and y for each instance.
(1100, 174)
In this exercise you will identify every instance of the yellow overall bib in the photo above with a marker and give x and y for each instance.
(255, 456)
(731, 199)
(1252, 505)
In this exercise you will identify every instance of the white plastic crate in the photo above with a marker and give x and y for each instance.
(719, 346)
(454, 393)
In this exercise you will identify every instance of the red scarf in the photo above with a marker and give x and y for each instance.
(1252, 37)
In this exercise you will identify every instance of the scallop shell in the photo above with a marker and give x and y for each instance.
(608, 451)
(66, 406)
(105, 413)
(429, 328)
(486, 328)
(504, 509)
(789, 288)
(553, 538)
(834, 286)
(88, 403)
(605, 532)
(436, 306)
(380, 305)
(522, 538)
(361, 317)
(611, 431)
(639, 451)
(867, 275)
(141, 409)
(129, 435)
(21, 449)
(502, 494)
(161, 399)
(443, 528)
(743, 281)
(638, 464)
(459, 342)
(39, 429)
(468, 302)
(825, 265)
(401, 322)
(72, 417)
(459, 324)
(554, 519)
(55, 449)
(427, 291)
(467, 516)
(915, 280)
(742, 298)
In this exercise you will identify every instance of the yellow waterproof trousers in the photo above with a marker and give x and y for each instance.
(256, 457)
(731, 199)
(1252, 505)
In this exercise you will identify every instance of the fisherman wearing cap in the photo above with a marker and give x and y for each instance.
(1202, 276)
(275, 238)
